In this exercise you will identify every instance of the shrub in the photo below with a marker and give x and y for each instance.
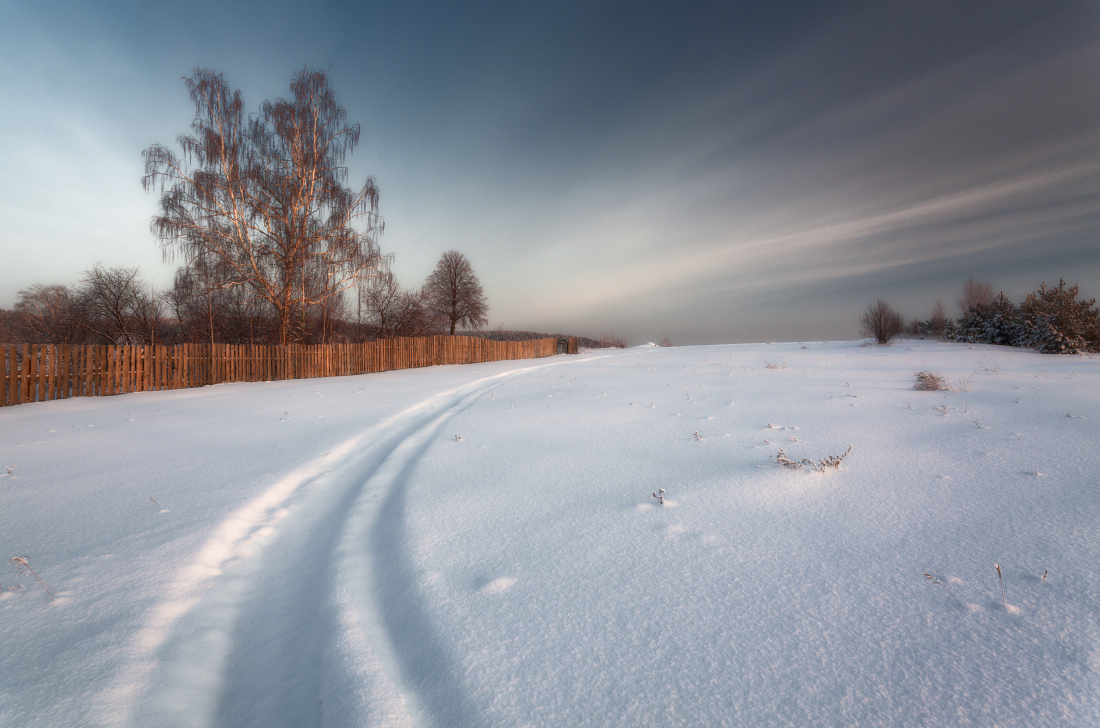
(607, 341)
(997, 322)
(1050, 320)
(930, 382)
(934, 328)
(881, 322)
(1055, 322)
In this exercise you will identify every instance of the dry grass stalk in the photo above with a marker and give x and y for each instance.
(833, 461)
(930, 382)
(786, 462)
(23, 566)
(963, 385)
(1004, 602)
(934, 580)
(660, 496)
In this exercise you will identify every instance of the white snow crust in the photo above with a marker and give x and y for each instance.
(479, 545)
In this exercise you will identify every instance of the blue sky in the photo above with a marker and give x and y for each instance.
(716, 172)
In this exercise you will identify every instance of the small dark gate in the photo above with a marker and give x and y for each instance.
(568, 345)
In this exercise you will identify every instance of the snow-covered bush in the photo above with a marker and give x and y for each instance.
(1055, 322)
(1050, 320)
(997, 322)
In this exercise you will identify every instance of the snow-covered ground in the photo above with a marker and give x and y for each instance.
(478, 545)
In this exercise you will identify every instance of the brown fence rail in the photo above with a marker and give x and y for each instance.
(40, 372)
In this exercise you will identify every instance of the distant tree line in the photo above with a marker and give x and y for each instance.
(118, 306)
(1050, 320)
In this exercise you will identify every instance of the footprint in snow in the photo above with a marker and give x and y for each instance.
(498, 585)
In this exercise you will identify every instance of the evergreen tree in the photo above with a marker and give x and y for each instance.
(1055, 322)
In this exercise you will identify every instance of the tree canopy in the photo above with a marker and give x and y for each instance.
(454, 293)
(260, 202)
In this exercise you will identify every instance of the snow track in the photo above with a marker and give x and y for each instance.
(302, 609)
(324, 553)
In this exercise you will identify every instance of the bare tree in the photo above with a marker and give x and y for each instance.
(7, 328)
(609, 341)
(975, 294)
(938, 323)
(116, 305)
(454, 292)
(881, 321)
(263, 199)
(44, 315)
(393, 311)
(200, 309)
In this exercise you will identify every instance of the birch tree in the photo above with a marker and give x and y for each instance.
(262, 199)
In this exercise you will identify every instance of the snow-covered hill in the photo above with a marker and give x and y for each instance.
(479, 545)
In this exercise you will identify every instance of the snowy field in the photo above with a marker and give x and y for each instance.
(479, 546)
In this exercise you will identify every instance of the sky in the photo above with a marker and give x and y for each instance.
(706, 172)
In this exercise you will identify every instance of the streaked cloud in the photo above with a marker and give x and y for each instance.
(708, 173)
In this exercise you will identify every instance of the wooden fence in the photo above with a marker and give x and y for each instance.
(39, 372)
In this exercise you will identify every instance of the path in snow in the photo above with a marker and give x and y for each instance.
(302, 610)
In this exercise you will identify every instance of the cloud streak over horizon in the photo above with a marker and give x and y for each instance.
(721, 173)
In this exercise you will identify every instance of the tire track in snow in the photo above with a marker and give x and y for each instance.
(391, 669)
(302, 608)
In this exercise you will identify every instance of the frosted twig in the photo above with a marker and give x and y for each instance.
(831, 461)
(21, 564)
(786, 462)
(934, 580)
